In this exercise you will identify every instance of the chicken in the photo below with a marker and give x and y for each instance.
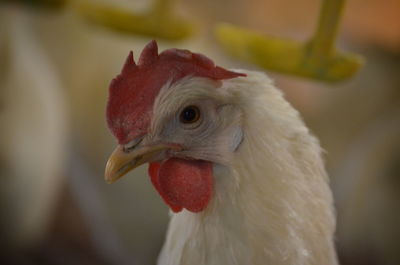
(228, 154)
(34, 131)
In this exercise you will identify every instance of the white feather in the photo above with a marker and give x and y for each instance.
(271, 203)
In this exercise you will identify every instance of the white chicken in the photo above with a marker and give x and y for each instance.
(229, 155)
(34, 131)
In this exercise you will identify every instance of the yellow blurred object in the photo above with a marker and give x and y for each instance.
(159, 21)
(317, 58)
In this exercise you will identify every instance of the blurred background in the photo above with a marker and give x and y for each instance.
(56, 61)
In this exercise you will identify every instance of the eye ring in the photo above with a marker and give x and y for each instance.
(189, 114)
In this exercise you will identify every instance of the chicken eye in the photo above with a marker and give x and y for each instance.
(190, 114)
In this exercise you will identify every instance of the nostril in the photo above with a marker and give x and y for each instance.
(132, 144)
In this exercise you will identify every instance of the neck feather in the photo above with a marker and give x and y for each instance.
(272, 205)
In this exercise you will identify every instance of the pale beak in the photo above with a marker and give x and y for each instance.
(121, 162)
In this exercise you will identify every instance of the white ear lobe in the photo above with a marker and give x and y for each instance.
(237, 138)
(231, 121)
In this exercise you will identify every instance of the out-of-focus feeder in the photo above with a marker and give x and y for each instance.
(316, 59)
(158, 21)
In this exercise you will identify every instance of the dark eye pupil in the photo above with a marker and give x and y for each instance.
(190, 114)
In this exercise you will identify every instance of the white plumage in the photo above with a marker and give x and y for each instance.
(271, 202)
(229, 150)
(34, 131)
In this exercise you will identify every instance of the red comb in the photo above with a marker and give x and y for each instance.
(133, 92)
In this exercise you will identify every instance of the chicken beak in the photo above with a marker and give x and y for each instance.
(121, 162)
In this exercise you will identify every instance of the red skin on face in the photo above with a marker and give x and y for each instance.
(133, 92)
(183, 183)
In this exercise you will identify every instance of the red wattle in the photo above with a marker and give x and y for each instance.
(183, 183)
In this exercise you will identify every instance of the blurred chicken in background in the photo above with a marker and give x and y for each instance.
(34, 132)
(54, 73)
